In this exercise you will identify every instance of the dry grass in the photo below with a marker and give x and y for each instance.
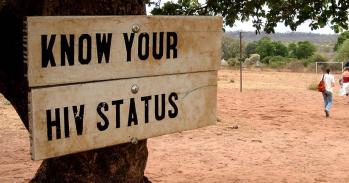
(313, 86)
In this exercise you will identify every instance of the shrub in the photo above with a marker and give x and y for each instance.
(343, 51)
(292, 49)
(230, 47)
(305, 49)
(278, 61)
(254, 58)
(251, 48)
(295, 66)
(319, 58)
(335, 68)
(311, 67)
(266, 60)
(341, 38)
(285, 62)
(280, 49)
(233, 62)
(301, 50)
(315, 58)
(313, 86)
(7, 102)
(266, 47)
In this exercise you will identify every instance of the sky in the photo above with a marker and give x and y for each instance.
(247, 26)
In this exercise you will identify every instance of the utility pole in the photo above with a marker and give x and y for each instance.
(240, 62)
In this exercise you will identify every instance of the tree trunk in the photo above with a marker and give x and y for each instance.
(121, 163)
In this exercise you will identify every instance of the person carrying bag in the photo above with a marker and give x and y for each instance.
(321, 85)
(326, 87)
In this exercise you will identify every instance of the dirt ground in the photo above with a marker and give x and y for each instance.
(282, 136)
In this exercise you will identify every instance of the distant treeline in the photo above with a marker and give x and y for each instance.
(319, 39)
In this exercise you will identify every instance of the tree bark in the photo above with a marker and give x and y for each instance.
(121, 163)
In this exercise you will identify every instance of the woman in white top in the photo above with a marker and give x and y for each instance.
(328, 93)
(345, 82)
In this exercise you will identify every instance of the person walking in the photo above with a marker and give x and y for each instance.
(328, 93)
(345, 82)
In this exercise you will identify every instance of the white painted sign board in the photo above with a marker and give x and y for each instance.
(81, 71)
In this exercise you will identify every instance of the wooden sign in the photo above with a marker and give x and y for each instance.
(101, 81)
(66, 50)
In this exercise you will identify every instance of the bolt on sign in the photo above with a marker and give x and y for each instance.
(97, 81)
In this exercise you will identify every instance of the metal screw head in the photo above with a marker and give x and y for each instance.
(135, 28)
(134, 140)
(134, 89)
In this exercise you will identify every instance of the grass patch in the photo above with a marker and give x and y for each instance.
(6, 102)
(313, 86)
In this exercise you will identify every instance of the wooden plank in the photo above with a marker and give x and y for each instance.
(50, 39)
(190, 103)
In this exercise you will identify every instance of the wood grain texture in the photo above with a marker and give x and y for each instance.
(198, 47)
(196, 108)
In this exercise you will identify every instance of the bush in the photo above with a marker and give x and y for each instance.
(342, 54)
(285, 62)
(266, 60)
(253, 60)
(230, 47)
(301, 50)
(335, 68)
(311, 67)
(313, 86)
(278, 61)
(7, 102)
(340, 40)
(317, 58)
(233, 62)
(295, 66)
(305, 49)
(313, 59)
(251, 48)
(266, 47)
(280, 49)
